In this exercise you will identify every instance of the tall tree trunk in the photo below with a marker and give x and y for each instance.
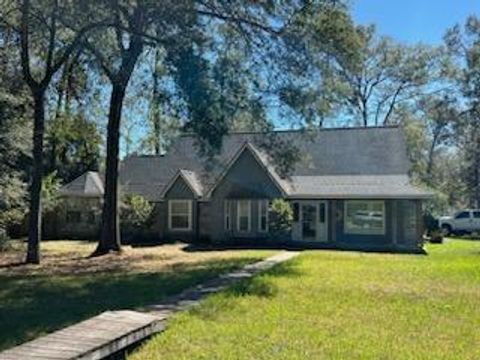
(431, 153)
(35, 221)
(110, 233)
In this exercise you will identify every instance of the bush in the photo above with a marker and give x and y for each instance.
(135, 216)
(4, 240)
(436, 237)
(431, 223)
(281, 218)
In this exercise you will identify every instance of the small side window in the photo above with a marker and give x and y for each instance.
(476, 214)
(321, 213)
(463, 215)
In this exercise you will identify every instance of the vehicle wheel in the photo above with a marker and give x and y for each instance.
(446, 229)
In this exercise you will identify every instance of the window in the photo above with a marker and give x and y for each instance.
(227, 208)
(321, 213)
(74, 217)
(364, 217)
(296, 208)
(463, 215)
(180, 215)
(410, 219)
(476, 214)
(263, 215)
(243, 215)
(90, 217)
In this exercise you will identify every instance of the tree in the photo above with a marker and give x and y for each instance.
(464, 47)
(72, 146)
(45, 46)
(367, 82)
(137, 25)
(14, 134)
(163, 119)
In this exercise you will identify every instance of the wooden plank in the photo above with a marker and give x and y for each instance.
(94, 338)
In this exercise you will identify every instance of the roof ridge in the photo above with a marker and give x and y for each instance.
(283, 131)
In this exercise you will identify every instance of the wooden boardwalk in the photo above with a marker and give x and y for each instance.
(113, 331)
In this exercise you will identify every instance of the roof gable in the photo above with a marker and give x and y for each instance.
(87, 184)
(191, 181)
(261, 159)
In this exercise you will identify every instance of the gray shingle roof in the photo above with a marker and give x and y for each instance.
(89, 184)
(355, 186)
(192, 180)
(334, 162)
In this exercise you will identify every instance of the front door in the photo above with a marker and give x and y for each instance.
(314, 221)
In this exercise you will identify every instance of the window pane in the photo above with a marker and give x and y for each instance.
(180, 207)
(180, 216)
(227, 214)
(263, 223)
(179, 222)
(243, 226)
(263, 215)
(476, 214)
(243, 209)
(321, 213)
(364, 217)
(463, 215)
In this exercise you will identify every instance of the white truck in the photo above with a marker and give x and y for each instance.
(462, 222)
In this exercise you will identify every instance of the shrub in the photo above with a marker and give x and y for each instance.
(436, 237)
(431, 223)
(135, 215)
(4, 240)
(281, 218)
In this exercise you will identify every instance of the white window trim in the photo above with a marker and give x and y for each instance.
(357, 232)
(227, 214)
(170, 203)
(249, 216)
(260, 202)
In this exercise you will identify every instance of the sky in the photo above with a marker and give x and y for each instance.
(413, 21)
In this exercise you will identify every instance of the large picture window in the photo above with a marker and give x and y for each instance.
(364, 217)
(243, 215)
(263, 215)
(180, 215)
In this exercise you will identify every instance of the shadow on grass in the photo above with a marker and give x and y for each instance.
(31, 306)
(365, 248)
(260, 286)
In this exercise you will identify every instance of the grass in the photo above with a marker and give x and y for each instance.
(339, 305)
(69, 287)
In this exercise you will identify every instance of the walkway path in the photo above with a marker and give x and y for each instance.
(113, 331)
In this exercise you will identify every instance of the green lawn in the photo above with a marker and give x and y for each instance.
(339, 305)
(69, 287)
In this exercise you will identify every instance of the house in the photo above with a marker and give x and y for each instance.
(80, 208)
(349, 188)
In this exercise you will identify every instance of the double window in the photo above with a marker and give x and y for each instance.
(243, 214)
(364, 217)
(180, 215)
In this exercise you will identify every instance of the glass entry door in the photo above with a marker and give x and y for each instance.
(309, 222)
(314, 221)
